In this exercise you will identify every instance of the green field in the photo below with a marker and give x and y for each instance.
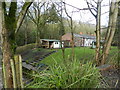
(81, 53)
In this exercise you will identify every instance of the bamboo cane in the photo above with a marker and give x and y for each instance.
(20, 67)
(13, 73)
(17, 70)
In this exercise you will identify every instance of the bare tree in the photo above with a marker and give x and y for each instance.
(26, 31)
(111, 30)
(10, 26)
(118, 37)
(62, 29)
(1, 16)
(71, 27)
(97, 16)
(36, 18)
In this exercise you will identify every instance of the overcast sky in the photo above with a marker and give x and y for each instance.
(86, 16)
(83, 16)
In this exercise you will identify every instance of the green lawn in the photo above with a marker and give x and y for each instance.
(81, 53)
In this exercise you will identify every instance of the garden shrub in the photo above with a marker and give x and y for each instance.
(25, 47)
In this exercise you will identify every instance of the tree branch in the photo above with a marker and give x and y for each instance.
(90, 9)
(22, 15)
(77, 7)
(95, 1)
(66, 11)
(29, 14)
(95, 8)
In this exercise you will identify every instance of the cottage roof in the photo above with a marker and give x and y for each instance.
(84, 36)
(77, 35)
(100, 41)
(50, 40)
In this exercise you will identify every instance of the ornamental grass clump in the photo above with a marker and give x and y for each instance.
(72, 74)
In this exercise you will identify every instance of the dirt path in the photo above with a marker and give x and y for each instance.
(111, 78)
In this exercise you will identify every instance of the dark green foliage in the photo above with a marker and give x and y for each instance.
(24, 48)
(20, 40)
(28, 29)
(52, 14)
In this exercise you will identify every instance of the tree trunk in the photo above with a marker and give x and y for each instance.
(118, 43)
(112, 28)
(73, 54)
(98, 28)
(109, 27)
(26, 37)
(26, 31)
(71, 27)
(98, 34)
(62, 32)
(9, 27)
(1, 16)
(7, 50)
(7, 55)
(118, 37)
(37, 36)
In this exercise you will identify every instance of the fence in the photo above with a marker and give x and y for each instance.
(16, 66)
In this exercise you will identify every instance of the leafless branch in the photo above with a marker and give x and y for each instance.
(77, 7)
(94, 1)
(29, 14)
(90, 9)
(67, 12)
(22, 15)
(94, 8)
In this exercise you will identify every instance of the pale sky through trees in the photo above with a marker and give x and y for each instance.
(86, 16)
(83, 15)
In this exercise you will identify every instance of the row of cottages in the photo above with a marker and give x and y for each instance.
(79, 39)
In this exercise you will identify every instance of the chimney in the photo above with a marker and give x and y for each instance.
(81, 32)
(94, 34)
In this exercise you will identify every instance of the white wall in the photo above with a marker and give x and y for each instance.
(88, 42)
(57, 44)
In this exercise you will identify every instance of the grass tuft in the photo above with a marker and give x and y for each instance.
(72, 74)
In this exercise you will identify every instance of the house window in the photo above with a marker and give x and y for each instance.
(56, 42)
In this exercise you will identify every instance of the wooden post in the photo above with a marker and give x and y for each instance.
(20, 69)
(13, 73)
(17, 70)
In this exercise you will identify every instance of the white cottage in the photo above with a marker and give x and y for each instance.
(79, 40)
(51, 43)
(88, 40)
